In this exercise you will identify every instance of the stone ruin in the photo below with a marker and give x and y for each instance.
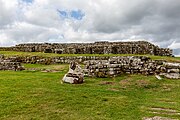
(139, 47)
(98, 66)
(75, 74)
(115, 66)
(6, 64)
(101, 66)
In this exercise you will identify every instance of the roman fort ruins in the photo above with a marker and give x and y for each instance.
(97, 66)
(139, 47)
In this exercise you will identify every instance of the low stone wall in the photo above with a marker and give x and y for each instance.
(99, 66)
(131, 65)
(6, 65)
(53, 60)
(9, 65)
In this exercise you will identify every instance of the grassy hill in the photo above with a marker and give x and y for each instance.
(38, 94)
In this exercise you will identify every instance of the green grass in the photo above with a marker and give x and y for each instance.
(36, 95)
(14, 53)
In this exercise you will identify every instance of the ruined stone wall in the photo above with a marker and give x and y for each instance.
(53, 60)
(139, 47)
(131, 65)
(7, 64)
(99, 66)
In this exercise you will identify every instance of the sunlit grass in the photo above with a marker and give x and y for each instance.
(37, 95)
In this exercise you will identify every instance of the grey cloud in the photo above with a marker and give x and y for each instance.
(154, 20)
(7, 15)
(157, 20)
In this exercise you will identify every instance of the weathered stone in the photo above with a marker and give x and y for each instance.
(131, 65)
(171, 65)
(138, 47)
(58, 51)
(158, 77)
(171, 75)
(172, 70)
(16, 66)
(10, 64)
(74, 75)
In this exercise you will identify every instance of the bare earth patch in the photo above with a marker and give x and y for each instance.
(142, 83)
(125, 83)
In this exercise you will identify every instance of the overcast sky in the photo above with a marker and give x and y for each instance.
(27, 21)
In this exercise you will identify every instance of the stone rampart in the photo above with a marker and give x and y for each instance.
(139, 47)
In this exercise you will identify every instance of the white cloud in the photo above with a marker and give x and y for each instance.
(8, 10)
(174, 45)
(39, 21)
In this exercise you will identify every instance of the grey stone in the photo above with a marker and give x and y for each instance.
(171, 75)
(75, 74)
(138, 47)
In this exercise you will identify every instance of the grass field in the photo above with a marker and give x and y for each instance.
(38, 95)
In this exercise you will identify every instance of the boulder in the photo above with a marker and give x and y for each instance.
(74, 75)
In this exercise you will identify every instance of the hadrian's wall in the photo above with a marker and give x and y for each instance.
(139, 47)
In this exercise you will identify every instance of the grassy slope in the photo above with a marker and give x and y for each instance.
(37, 95)
(14, 53)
